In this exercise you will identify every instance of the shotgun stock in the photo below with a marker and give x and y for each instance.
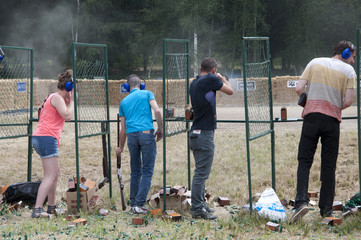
(105, 158)
(119, 168)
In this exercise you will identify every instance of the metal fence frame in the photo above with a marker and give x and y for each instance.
(166, 41)
(358, 62)
(76, 121)
(29, 124)
(248, 122)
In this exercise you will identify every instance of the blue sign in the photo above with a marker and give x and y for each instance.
(122, 88)
(21, 87)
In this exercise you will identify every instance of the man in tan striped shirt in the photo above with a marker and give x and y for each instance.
(329, 85)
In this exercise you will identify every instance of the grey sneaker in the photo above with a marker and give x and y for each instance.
(138, 210)
(203, 214)
(299, 213)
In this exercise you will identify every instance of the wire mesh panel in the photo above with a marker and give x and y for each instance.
(16, 85)
(256, 74)
(175, 93)
(91, 104)
(175, 84)
(90, 77)
(257, 99)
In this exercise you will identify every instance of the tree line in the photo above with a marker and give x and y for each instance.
(133, 31)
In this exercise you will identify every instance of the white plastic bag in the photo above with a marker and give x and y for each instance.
(270, 206)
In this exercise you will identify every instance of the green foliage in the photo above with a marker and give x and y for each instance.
(133, 29)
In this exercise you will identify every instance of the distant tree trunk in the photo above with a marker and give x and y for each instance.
(234, 46)
(74, 29)
(77, 16)
(195, 52)
(145, 62)
(210, 40)
(155, 54)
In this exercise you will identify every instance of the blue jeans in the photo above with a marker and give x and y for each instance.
(315, 126)
(202, 145)
(46, 146)
(143, 151)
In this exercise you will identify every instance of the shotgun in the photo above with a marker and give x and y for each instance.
(119, 168)
(105, 158)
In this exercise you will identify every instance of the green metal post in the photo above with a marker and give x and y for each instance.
(271, 118)
(358, 105)
(108, 120)
(247, 126)
(164, 127)
(187, 123)
(76, 126)
(30, 127)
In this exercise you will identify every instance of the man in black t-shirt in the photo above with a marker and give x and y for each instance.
(201, 137)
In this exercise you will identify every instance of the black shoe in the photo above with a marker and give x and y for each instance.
(203, 214)
(328, 213)
(51, 209)
(299, 213)
(208, 209)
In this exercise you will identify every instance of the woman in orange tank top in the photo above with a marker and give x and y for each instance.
(57, 108)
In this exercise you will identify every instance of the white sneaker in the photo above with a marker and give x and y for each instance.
(138, 210)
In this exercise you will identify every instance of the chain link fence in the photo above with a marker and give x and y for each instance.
(175, 84)
(258, 104)
(256, 72)
(91, 89)
(15, 97)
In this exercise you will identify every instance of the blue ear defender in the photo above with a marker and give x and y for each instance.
(347, 52)
(126, 86)
(2, 54)
(69, 85)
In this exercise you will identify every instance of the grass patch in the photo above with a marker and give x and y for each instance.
(229, 178)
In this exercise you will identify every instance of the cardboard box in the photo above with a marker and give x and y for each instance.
(337, 206)
(71, 199)
(332, 221)
(156, 212)
(273, 226)
(172, 215)
(78, 222)
(223, 201)
(312, 194)
(173, 202)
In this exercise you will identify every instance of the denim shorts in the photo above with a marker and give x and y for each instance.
(46, 146)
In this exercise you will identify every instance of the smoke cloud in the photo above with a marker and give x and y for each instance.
(47, 28)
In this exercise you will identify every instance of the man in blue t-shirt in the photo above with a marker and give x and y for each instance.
(201, 137)
(135, 113)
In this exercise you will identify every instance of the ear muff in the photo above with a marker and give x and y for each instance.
(2, 54)
(69, 86)
(346, 53)
(126, 86)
